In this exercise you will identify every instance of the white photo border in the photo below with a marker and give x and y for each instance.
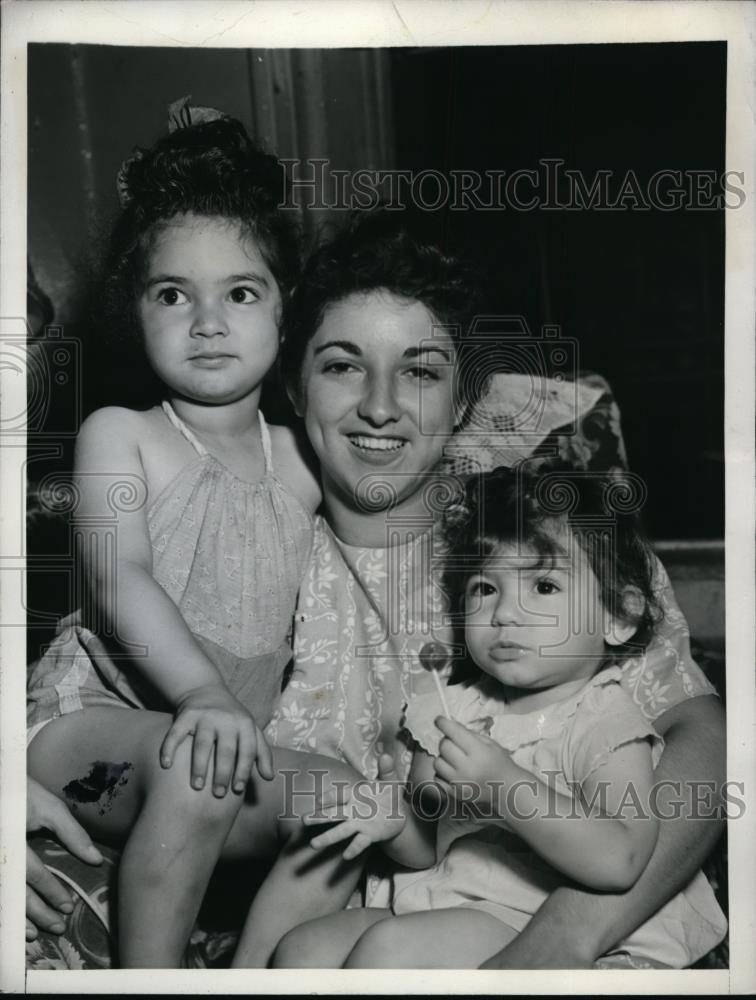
(330, 24)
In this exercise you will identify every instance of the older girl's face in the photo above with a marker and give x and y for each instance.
(378, 400)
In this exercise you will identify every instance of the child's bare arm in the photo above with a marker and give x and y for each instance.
(415, 847)
(296, 465)
(126, 603)
(604, 844)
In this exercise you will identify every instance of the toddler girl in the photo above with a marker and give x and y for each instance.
(545, 763)
(193, 526)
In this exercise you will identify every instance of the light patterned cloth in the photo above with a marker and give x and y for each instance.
(230, 554)
(482, 865)
(515, 416)
(357, 645)
(358, 639)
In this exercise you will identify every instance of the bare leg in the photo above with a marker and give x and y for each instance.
(458, 938)
(303, 883)
(326, 942)
(175, 833)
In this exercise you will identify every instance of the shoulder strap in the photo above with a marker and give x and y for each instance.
(266, 444)
(181, 427)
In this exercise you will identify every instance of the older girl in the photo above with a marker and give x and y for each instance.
(191, 582)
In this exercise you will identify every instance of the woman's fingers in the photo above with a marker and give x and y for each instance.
(57, 817)
(47, 900)
(42, 916)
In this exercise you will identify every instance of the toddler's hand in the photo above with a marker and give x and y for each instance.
(369, 812)
(217, 721)
(470, 758)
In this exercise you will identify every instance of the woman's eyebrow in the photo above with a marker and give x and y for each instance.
(415, 352)
(344, 345)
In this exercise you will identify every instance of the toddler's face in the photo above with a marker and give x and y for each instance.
(210, 310)
(536, 628)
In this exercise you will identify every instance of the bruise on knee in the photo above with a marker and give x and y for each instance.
(100, 786)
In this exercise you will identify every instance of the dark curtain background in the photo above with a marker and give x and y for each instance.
(641, 291)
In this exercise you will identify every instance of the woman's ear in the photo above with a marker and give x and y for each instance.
(461, 406)
(618, 631)
(295, 397)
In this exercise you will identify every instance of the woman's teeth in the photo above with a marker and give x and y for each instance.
(376, 443)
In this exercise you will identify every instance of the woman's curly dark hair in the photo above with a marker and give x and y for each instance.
(382, 249)
(524, 506)
(210, 169)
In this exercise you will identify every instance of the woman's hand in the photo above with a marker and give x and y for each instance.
(48, 902)
(218, 722)
(471, 761)
(369, 812)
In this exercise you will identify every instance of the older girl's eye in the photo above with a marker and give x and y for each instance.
(243, 296)
(171, 296)
(546, 587)
(480, 588)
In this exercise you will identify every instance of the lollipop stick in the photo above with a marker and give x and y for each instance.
(440, 689)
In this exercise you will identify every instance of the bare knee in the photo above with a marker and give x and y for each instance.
(298, 949)
(171, 790)
(379, 947)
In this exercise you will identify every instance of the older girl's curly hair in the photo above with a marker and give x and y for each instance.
(211, 169)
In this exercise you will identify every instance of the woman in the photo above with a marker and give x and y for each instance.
(378, 369)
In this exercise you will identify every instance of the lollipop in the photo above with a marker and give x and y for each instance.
(434, 657)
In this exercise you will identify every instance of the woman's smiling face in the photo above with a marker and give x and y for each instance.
(378, 400)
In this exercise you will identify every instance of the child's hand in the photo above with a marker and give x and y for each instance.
(470, 758)
(369, 812)
(217, 721)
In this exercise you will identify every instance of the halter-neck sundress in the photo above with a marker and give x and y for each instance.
(230, 554)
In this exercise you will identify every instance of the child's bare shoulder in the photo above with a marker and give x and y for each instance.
(112, 421)
(295, 464)
(112, 428)
(115, 431)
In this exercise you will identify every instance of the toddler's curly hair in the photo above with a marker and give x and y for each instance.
(532, 507)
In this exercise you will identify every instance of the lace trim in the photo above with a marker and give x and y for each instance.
(470, 707)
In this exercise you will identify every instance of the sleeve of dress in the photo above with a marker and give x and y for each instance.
(605, 720)
(666, 674)
(423, 710)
